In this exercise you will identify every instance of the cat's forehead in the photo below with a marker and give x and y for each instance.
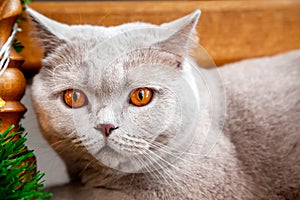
(102, 62)
(133, 70)
(104, 78)
(104, 46)
(134, 66)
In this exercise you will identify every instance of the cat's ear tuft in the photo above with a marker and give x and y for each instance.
(184, 34)
(49, 32)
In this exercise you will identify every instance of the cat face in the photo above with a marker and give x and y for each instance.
(124, 93)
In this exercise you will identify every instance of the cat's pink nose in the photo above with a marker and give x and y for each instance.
(106, 128)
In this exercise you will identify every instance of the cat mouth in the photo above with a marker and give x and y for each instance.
(127, 146)
(111, 158)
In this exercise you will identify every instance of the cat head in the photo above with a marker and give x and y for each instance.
(124, 93)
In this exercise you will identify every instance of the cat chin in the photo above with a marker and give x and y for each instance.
(115, 160)
(138, 163)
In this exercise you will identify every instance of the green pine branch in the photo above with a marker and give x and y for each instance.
(18, 179)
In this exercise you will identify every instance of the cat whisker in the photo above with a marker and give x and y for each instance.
(57, 143)
(86, 166)
(175, 181)
(165, 163)
(163, 168)
(191, 162)
(169, 150)
(186, 161)
(172, 165)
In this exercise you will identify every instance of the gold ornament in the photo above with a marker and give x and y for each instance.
(2, 103)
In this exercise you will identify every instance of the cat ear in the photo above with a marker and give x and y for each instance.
(49, 32)
(184, 34)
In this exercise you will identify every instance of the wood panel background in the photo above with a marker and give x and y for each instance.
(229, 30)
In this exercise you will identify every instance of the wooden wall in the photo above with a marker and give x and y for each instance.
(229, 30)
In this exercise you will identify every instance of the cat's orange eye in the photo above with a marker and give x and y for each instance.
(141, 96)
(74, 98)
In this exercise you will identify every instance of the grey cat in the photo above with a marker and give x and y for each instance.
(127, 112)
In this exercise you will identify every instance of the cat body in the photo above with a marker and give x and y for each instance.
(255, 153)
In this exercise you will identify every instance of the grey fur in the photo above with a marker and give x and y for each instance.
(257, 156)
